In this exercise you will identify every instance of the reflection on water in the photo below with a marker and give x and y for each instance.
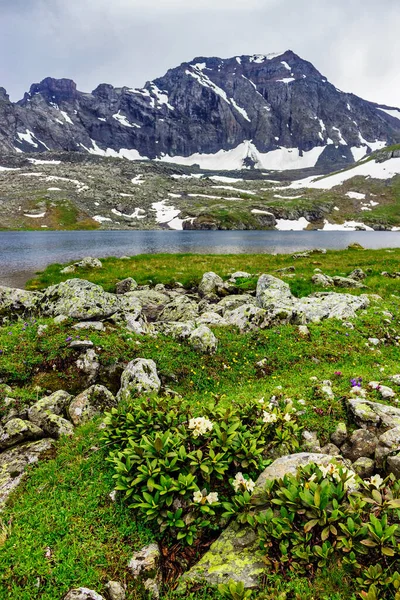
(24, 253)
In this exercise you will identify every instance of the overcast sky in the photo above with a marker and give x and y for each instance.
(355, 43)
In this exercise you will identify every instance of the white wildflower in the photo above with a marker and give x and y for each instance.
(269, 417)
(313, 477)
(250, 485)
(212, 498)
(200, 426)
(261, 400)
(240, 481)
(376, 481)
(287, 417)
(197, 497)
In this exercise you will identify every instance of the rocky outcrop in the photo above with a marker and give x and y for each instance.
(93, 401)
(18, 303)
(139, 377)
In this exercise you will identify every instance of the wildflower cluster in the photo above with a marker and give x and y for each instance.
(241, 484)
(200, 426)
(203, 497)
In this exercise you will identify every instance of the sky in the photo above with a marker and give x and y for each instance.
(354, 43)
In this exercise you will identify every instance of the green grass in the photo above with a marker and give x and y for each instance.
(64, 502)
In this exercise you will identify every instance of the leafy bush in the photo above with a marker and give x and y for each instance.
(180, 465)
(327, 513)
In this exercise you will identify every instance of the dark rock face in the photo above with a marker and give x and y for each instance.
(204, 106)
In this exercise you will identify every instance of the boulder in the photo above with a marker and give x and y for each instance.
(13, 462)
(385, 391)
(92, 325)
(389, 442)
(239, 275)
(93, 401)
(364, 467)
(146, 561)
(395, 379)
(393, 465)
(18, 303)
(46, 414)
(322, 280)
(246, 317)
(79, 299)
(181, 308)
(329, 305)
(115, 590)
(16, 431)
(130, 303)
(231, 302)
(202, 339)
(357, 274)
(88, 365)
(339, 436)
(210, 283)
(139, 377)
(176, 330)
(272, 291)
(236, 554)
(211, 318)
(310, 441)
(347, 282)
(366, 413)
(330, 449)
(126, 285)
(83, 593)
(362, 443)
(89, 263)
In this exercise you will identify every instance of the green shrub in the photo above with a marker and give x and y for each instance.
(325, 514)
(180, 464)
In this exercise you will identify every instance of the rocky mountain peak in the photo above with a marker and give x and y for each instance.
(53, 90)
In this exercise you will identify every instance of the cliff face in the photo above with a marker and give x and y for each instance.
(273, 111)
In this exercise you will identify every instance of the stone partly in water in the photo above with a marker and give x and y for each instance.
(139, 377)
(236, 553)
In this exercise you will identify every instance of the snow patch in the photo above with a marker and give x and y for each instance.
(164, 213)
(346, 226)
(38, 161)
(134, 215)
(38, 216)
(240, 110)
(137, 180)
(66, 117)
(292, 224)
(284, 63)
(122, 119)
(286, 80)
(101, 219)
(356, 195)
(223, 179)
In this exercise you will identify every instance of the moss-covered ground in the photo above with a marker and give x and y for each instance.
(61, 529)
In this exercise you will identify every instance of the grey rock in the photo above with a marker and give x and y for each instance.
(239, 275)
(393, 465)
(362, 443)
(330, 449)
(81, 344)
(357, 274)
(271, 290)
(339, 436)
(14, 461)
(385, 391)
(389, 442)
(139, 377)
(246, 317)
(16, 431)
(310, 442)
(91, 325)
(88, 365)
(322, 280)
(374, 341)
(364, 467)
(83, 593)
(93, 401)
(153, 588)
(18, 303)
(347, 282)
(79, 299)
(146, 561)
(60, 319)
(231, 302)
(202, 339)
(89, 263)
(126, 285)
(210, 283)
(373, 413)
(211, 318)
(395, 379)
(181, 308)
(303, 331)
(115, 590)
(177, 330)
(46, 414)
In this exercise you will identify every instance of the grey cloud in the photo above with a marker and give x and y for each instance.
(126, 42)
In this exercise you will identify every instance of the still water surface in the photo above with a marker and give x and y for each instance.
(23, 253)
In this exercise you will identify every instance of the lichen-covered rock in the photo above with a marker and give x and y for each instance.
(92, 325)
(146, 561)
(310, 441)
(211, 318)
(46, 414)
(115, 590)
(202, 339)
(331, 449)
(129, 303)
(329, 305)
(272, 291)
(93, 401)
(357, 274)
(181, 308)
(389, 442)
(88, 365)
(151, 302)
(373, 413)
(236, 554)
(393, 465)
(83, 593)
(13, 462)
(16, 431)
(126, 285)
(79, 299)
(89, 263)
(364, 467)
(18, 303)
(177, 330)
(246, 317)
(385, 391)
(239, 275)
(231, 302)
(322, 280)
(139, 377)
(210, 283)
(339, 436)
(395, 379)
(347, 282)
(361, 443)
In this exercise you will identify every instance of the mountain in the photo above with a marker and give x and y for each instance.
(263, 111)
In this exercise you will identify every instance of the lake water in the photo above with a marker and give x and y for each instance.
(23, 253)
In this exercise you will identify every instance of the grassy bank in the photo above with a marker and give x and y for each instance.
(62, 530)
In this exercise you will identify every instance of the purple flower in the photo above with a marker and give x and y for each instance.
(356, 382)
(338, 373)
(68, 339)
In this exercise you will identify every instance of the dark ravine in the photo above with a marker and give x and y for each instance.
(202, 106)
